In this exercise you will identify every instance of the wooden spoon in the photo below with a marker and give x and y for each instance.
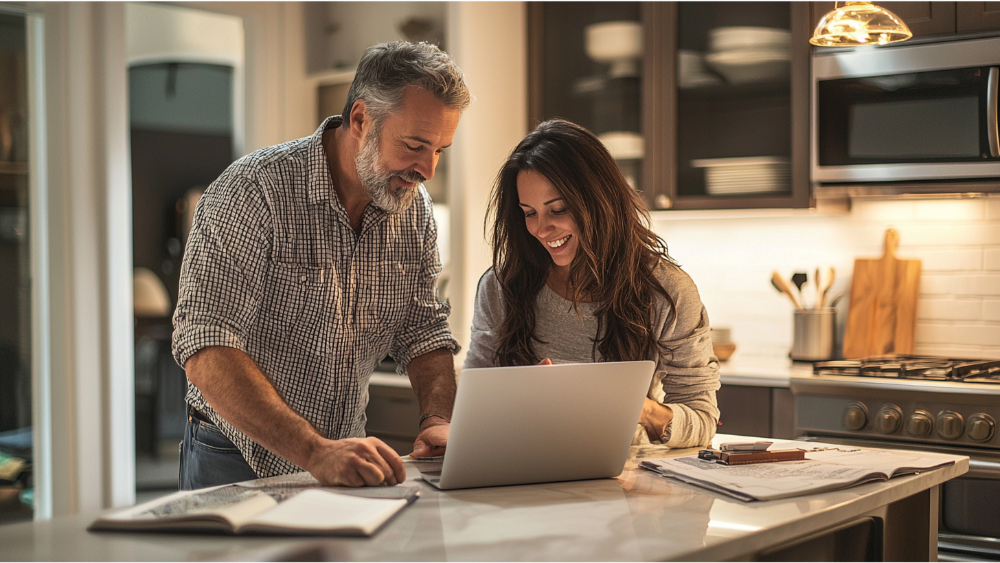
(830, 275)
(782, 285)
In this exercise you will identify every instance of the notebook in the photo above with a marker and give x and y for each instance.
(538, 424)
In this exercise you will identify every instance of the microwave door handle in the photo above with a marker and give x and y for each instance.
(991, 111)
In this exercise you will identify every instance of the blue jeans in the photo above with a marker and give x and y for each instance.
(208, 458)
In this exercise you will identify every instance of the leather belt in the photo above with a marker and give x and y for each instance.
(195, 414)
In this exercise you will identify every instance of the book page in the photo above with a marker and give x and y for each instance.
(231, 504)
(316, 510)
(224, 508)
(890, 462)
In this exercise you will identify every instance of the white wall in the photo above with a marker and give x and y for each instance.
(495, 67)
(958, 241)
(85, 458)
(84, 451)
(157, 33)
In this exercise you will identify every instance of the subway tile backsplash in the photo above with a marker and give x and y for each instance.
(957, 241)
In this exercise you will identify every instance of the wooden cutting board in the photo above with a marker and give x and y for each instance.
(882, 318)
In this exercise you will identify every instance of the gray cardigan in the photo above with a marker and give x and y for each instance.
(686, 382)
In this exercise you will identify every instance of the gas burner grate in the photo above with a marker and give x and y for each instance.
(915, 367)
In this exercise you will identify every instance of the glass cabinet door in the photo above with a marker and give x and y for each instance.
(740, 92)
(586, 65)
(733, 99)
(705, 105)
(15, 297)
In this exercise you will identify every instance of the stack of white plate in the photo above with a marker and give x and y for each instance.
(691, 71)
(751, 175)
(618, 43)
(750, 54)
(623, 145)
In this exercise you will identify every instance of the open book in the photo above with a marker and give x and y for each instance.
(266, 509)
(827, 467)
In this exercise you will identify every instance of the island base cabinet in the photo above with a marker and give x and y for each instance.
(905, 530)
(393, 415)
(858, 540)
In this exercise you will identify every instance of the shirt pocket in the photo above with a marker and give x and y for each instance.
(306, 302)
(388, 301)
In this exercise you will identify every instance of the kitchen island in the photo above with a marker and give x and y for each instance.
(635, 517)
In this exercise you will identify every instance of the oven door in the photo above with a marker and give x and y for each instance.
(927, 113)
(969, 521)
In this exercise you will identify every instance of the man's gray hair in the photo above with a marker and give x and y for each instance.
(387, 69)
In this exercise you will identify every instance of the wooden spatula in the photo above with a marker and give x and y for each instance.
(882, 318)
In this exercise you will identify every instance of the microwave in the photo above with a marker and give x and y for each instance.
(908, 113)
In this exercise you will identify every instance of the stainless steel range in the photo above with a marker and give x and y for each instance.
(926, 403)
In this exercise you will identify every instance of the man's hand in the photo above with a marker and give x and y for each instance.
(356, 462)
(432, 439)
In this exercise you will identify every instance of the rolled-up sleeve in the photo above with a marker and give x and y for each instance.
(222, 275)
(687, 371)
(425, 328)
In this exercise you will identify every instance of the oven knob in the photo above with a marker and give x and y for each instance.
(949, 425)
(856, 416)
(981, 427)
(920, 424)
(889, 419)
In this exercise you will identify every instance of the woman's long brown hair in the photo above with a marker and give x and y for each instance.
(618, 253)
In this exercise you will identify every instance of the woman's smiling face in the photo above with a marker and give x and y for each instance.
(547, 217)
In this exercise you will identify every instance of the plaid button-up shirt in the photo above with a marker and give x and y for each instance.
(273, 268)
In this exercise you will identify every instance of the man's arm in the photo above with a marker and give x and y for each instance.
(433, 378)
(236, 388)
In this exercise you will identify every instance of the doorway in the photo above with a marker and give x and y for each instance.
(185, 112)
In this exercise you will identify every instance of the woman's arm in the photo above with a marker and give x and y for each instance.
(687, 370)
(483, 344)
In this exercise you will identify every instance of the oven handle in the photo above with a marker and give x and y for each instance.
(979, 469)
(992, 84)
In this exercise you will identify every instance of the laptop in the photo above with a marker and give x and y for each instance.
(538, 424)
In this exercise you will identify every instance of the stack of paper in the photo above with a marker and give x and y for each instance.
(827, 467)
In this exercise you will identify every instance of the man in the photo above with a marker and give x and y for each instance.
(307, 263)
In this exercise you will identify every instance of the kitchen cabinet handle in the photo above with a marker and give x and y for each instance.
(991, 111)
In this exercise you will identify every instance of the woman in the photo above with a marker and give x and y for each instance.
(578, 276)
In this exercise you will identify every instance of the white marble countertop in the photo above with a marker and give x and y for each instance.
(756, 371)
(637, 516)
(761, 371)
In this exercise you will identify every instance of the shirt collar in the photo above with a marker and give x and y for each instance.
(320, 182)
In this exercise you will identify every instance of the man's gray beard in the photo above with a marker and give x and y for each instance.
(377, 181)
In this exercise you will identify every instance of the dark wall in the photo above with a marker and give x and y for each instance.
(165, 164)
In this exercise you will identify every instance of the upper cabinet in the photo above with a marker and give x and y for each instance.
(586, 65)
(977, 16)
(928, 19)
(703, 105)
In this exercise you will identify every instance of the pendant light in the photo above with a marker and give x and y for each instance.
(859, 23)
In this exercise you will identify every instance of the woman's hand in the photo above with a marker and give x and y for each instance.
(545, 362)
(655, 418)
